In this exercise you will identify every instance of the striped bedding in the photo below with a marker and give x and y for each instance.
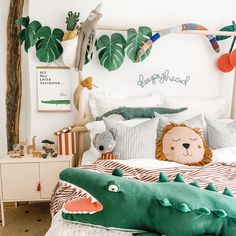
(220, 174)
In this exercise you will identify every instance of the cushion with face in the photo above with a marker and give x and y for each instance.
(182, 144)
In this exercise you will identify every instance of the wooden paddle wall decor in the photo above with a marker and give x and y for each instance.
(14, 81)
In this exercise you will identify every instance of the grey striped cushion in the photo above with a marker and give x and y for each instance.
(221, 134)
(194, 122)
(135, 142)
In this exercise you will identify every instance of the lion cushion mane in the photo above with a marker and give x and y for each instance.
(182, 144)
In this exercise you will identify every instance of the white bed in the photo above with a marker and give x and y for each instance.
(61, 227)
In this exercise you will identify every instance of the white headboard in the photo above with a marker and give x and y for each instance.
(181, 54)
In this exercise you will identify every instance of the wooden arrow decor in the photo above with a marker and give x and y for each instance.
(14, 81)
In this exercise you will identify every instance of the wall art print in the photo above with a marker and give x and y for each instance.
(53, 89)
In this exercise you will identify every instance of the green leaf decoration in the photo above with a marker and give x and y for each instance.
(226, 28)
(135, 41)
(28, 34)
(48, 47)
(113, 51)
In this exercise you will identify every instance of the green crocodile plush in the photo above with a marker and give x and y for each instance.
(129, 113)
(162, 208)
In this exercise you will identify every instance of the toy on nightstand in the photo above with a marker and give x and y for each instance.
(16, 152)
(37, 153)
(23, 149)
(105, 142)
(48, 149)
(32, 147)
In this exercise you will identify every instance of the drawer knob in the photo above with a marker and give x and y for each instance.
(39, 187)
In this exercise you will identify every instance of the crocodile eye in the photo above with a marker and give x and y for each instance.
(112, 186)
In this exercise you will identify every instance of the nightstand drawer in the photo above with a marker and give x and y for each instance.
(20, 181)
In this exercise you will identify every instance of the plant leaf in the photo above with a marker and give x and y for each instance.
(24, 21)
(113, 51)
(226, 28)
(28, 34)
(135, 41)
(48, 47)
(58, 33)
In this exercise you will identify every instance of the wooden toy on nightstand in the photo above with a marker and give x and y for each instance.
(30, 178)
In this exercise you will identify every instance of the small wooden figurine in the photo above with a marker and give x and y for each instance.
(32, 147)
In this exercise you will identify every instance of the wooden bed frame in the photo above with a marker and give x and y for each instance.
(80, 128)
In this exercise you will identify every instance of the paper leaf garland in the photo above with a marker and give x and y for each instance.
(113, 51)
(28, 34)
(226, 28)
(135, 41)
(48, 47)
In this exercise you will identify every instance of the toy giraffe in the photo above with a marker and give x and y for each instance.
(32, 147)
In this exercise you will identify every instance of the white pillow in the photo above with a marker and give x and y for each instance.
(96, 127)
(102, 102)
(224, 155)
(193, 122)
(216, 108)
(221, 134)
(135, 142)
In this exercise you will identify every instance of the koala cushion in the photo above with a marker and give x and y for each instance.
(105, 142)
(182, 144)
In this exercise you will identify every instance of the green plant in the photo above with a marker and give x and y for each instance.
(112, 51)
(135, 41)
(28, 34)
(47, 141)
(48, 46)
(71, 20)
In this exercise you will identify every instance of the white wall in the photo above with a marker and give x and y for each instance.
(182, 54)
(3, 12)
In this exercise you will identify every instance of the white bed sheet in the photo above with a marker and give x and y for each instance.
(61, 227)
(219, 155)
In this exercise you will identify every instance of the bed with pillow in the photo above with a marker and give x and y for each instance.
(137, 144)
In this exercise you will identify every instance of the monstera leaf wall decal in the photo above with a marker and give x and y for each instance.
(48, 47)
(113, 51)
(28, 34)
(111, 48)
(135, 41)
(47, 42)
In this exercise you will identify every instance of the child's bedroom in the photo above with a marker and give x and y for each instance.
(118, 118)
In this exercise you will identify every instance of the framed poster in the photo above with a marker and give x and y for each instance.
(53, 89)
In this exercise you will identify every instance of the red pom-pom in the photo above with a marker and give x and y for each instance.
(224, 64)
(233, 58)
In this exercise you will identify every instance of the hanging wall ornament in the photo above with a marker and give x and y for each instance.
(112, 53)
(176, 29)
(227, 61)
(135, 41)
(47, 42)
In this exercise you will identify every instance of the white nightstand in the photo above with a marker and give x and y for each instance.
(30, 178)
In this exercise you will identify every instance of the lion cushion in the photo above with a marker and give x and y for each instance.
(182, 144)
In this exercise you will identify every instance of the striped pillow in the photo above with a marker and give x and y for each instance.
(135, 142)
(221, 134)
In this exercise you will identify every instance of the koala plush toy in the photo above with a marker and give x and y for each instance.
(105, 142)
